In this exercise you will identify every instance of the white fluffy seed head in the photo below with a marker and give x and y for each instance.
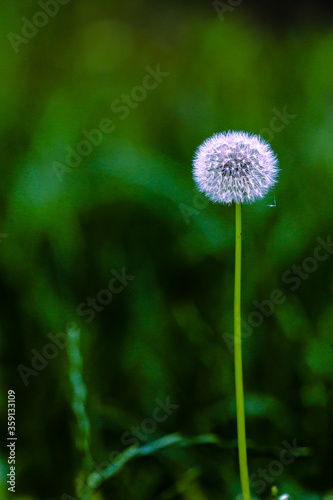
(235, 167)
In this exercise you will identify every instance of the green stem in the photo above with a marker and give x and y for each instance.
(244, 475)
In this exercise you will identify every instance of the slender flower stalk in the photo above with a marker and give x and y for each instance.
(236, 167)
(244, 475)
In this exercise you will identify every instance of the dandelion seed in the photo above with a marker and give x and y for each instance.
(274, 204)
(235, 167)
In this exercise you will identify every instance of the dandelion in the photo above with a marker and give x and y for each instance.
(236, 167)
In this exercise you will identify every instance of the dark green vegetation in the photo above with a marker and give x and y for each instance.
(127, 201)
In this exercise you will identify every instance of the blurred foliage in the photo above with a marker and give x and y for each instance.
(123, 206)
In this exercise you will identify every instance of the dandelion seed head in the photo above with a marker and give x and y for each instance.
(235, 167)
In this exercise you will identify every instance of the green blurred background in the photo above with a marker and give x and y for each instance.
(130, 203)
